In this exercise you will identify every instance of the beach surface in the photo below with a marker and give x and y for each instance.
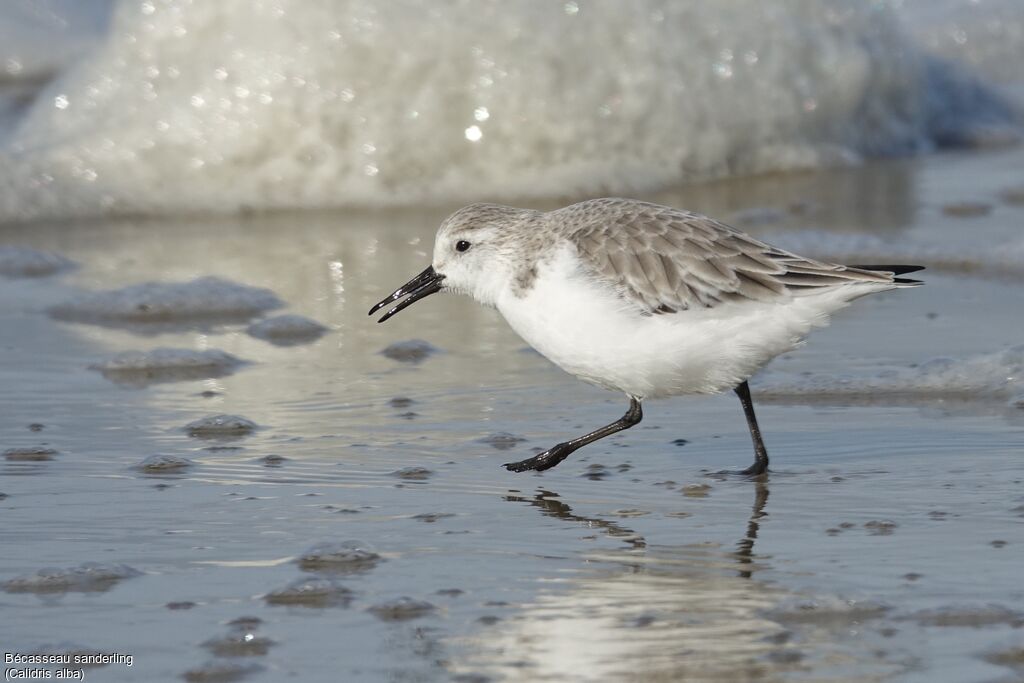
(356, 524)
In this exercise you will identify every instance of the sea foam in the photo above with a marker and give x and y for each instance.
(138, 369)
(233, 105)
(206, 299)
(998, 376)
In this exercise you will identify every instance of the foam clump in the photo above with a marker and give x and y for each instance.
(500, 100)
(312, 592)
(206, 299)
(239, 643)
(287, 330)
(410, 351)
(220, 426)
(401, 609)
(413, 473)
(344, 557)
(30, 454)
(19, 262)
(86, 577)
(142, 368)
(991, 375)
(164, 464)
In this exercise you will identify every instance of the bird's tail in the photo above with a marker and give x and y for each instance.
(896, 270)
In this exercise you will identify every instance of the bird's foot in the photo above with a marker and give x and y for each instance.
(541, 461)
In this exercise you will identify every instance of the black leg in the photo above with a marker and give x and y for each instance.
(760, 465)
(559, 452)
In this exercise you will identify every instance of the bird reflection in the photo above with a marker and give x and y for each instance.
(550, 506)
(745, 546)
(683, 607)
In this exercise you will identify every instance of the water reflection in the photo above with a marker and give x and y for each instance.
(551, 506)
(646, 612)
(745, 546)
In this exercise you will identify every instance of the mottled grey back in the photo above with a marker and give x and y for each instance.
(672, 260)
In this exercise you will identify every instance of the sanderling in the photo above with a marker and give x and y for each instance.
(640, 298)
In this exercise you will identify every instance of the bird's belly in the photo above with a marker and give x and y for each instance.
(590, 332)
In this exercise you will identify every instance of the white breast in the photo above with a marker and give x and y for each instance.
(587, 329)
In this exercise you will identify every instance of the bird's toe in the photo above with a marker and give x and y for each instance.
(541, 461)
(521, 466)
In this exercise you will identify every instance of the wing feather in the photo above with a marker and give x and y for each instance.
(710, 271)
(654, 269)
(669, 260)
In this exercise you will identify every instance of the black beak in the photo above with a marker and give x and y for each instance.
(426, 283)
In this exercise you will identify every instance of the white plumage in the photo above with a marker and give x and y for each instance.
(588, 329)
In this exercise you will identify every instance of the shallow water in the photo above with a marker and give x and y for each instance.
(885, 544)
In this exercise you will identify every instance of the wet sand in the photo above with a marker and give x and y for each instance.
(884, 545)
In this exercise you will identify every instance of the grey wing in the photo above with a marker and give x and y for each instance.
(669, 260)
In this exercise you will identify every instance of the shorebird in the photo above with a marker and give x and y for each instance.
(640, 298)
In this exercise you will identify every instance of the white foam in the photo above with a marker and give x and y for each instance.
(222, 106)
(202, 299)
(998, 375)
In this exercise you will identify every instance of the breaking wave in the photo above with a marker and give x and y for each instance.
(183, 106)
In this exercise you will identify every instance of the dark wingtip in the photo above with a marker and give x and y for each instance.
(894, 269)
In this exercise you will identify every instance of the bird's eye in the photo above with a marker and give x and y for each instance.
(462, 245)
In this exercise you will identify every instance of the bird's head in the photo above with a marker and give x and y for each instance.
(475, 253)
